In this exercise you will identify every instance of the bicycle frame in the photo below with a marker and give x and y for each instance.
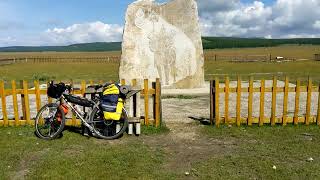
(84, 119)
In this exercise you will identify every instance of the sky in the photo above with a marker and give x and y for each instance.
(63, 22)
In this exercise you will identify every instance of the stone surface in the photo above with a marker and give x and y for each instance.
(163, 41)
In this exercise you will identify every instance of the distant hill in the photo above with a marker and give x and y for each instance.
(208, 43)
(230, 42)
(86, 47)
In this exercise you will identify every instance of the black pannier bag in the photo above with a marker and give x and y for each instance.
(56, 90)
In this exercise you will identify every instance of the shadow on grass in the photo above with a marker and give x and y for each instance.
(202, 120)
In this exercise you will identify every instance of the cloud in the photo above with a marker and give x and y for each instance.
(316, 25)
(84, 33)
(283, 18)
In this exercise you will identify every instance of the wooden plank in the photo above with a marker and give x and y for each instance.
(238, 111)
(285, 101)
(262, 97)
(38, 97)
(146, 101)
(250, 101)
(15, 103)
(318, 114)
(274, 101)
(297, 103)
(157, 102)
(226, 109)
(217, 96)
(212, 102)
(83, 87)
(308, 106)
(27, 106)
(4, 104)
(150, 92)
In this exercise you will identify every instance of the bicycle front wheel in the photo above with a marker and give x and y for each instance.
(108, 129)
(50, 121)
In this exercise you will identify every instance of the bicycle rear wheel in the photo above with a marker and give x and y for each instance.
(108, 129)
(49, 122)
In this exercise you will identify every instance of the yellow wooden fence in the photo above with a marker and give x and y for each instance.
(217, 118)
(25, 118)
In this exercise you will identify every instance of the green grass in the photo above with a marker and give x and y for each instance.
(264, 70)
(109, 71)
(76, 157)
(152, 130)
(254, 151)
(47, 71)
(233, 153)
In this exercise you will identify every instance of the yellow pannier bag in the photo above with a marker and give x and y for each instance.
(112, 104)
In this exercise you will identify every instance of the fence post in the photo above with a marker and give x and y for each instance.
(133, 101)
(308, 106)
(158, 102)
(146, 102)
(23, 102)
(49, 98)
(238, 118)
(262, 94)
(285, 101)
(26, 102)
(4, 104)
(123, 82)
(297, 102)
(318, 114)
(250, 100)
(38, 97)
(274, 101)
(270, 57)
(217, 105)
(212, 100)
(15, 103)
(226, 109)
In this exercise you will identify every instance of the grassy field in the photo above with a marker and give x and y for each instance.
(288, 51)
(6, 55)
(104, 71)
(226, 153)
(66, 71)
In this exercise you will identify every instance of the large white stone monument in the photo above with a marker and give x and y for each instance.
(163, 41)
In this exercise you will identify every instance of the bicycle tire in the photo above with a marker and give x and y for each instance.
(97, 131)
(60, 122)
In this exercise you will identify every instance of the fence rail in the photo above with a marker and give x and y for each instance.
(21, 101)
(247, 58)
(107, 59)
(217, 118)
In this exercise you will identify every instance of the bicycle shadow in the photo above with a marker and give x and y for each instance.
(202, 120)
(78, 130)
